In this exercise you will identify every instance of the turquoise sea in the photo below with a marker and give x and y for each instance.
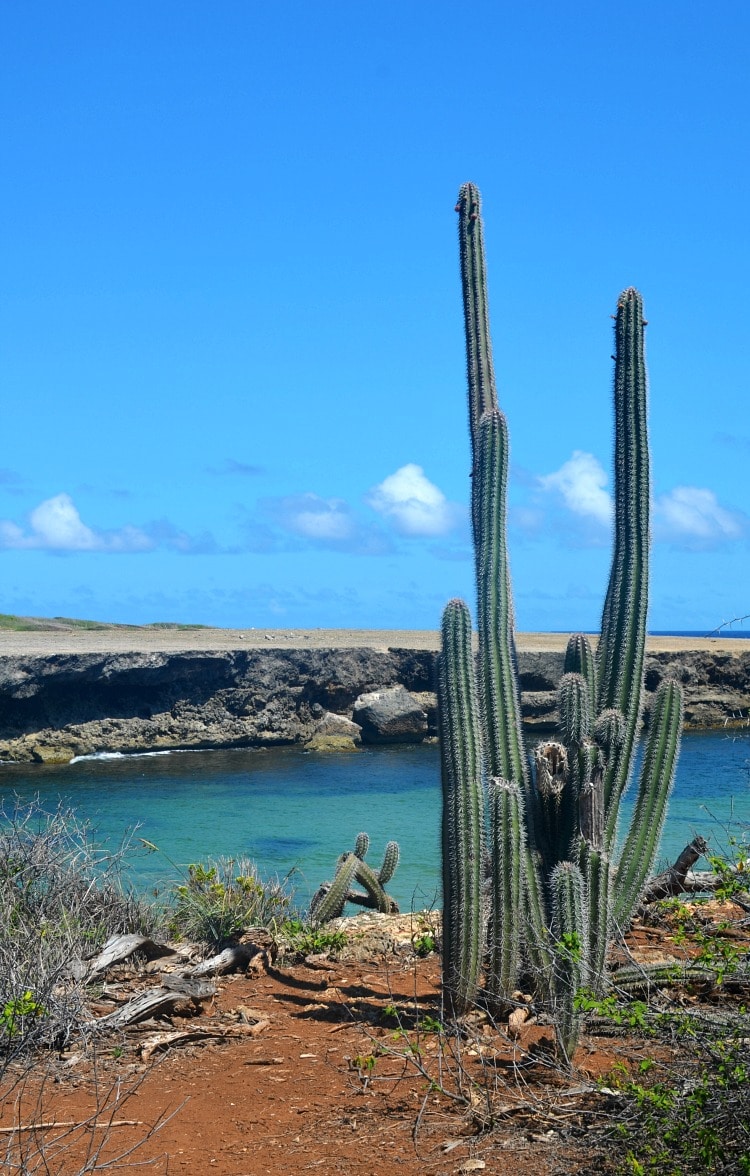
(291, 809)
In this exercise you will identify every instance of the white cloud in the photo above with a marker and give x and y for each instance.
(56, 525)
(581, 482)
(413, 503)
(694, 513)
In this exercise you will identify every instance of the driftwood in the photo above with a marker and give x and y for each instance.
(239, 955)
(680, 878)
(120, 947)
(55, 1123)
(672, 881)
(162, 1041)
(149, 1003)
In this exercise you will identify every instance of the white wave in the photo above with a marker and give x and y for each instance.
(116, 755)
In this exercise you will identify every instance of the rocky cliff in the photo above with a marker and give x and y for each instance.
(59, 705)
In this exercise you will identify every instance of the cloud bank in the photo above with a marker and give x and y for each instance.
(687, 516)
(56, 525)
(581, 483)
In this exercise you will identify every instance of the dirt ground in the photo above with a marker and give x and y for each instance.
(333, 1066)
(64, 640)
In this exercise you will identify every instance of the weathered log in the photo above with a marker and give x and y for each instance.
(120, 947)
(238, 956)
(146, 1004)
(672, 881)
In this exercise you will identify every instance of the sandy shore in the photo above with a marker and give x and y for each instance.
(147, 640)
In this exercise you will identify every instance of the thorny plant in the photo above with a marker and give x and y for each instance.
(61, 897)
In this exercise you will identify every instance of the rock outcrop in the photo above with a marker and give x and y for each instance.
(58, 706)
(390, 716)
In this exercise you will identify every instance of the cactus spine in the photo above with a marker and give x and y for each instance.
(554, 894)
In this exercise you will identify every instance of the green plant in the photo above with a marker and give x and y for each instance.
(551, 829)
(220, 899)
(330, 898)
(305, 939)
(686, 1119)
(18, 1011)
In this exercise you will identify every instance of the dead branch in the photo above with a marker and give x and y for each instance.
(54, 1123)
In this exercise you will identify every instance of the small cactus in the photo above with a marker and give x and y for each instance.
(330, 898)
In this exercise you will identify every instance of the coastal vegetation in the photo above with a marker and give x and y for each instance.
(55, 624)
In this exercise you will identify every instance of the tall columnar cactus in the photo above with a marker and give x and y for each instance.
(554, 896)
(463, 809)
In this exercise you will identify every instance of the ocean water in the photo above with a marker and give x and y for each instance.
(294, 810)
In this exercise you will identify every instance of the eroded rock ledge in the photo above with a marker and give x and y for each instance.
(59, 705)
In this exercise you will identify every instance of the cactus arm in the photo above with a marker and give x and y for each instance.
(506, 909)
(580, 659)
(463, 805)
(571, 948)
(330, 904)
(390, 863)
(655, 784)
(498, 674)
(377, 895)
(479, 366)
(620, 654)
(361, 845)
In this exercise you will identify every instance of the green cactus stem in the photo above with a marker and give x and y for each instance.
(597, 877)
(373, 881)
(390, 863)
(497, 664)
(580, 659)
(506, 908)
(329, 902)
(655, 784)
(463, 809)
(621, 649)
(574, 707)
(479, 365)
(368, 878)
(361, 845)
(571, 948)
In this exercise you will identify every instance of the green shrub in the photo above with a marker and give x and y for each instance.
(220, 899)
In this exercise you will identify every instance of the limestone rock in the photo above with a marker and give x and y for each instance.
(390, 716)
(335, 733)
(338, 725)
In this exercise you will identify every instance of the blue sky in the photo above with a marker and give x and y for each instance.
(232, 349)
